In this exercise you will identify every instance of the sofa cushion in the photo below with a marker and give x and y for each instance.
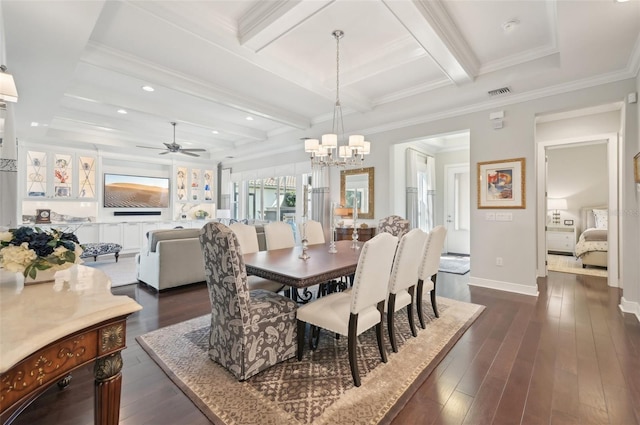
(156, 236)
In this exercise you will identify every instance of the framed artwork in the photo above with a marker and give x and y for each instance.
(501, 184)
(43, 216)
(636, 167)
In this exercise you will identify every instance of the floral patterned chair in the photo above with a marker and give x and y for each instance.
(395, 225)
(250, 330)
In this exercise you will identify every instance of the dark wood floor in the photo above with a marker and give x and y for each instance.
(567, 357)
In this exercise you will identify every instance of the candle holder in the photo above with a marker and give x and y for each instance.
(354, 235)
(305, 246)
(332, 226)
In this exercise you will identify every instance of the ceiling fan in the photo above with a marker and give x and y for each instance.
(174, 147)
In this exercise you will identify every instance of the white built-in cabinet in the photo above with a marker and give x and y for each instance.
(60, 175)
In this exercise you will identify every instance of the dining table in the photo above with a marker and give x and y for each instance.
(285, 265)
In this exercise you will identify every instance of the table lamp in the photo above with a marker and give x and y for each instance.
(556, 204)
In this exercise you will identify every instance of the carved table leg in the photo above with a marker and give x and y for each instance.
(108, 380)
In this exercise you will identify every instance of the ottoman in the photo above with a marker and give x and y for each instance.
(100, 248)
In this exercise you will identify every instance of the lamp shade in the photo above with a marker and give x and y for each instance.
(557, 204)
(344, 212)
(8, 91)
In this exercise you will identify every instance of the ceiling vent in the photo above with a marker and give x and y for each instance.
(499, 92)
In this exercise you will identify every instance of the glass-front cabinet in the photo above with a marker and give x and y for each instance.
(194, 185)
(57, 175)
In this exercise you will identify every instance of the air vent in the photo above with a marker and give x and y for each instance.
(500, 91)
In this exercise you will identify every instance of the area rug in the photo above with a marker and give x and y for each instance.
(454, 264)
(121, 273)
(570, 264)
(319, 389)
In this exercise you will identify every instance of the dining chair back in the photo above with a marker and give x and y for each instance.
(313, 232)
(428, 272)
(279, 234)
(248, 240)
(250, 330)
(352, 312)
(247, 237)
(404, 277)
(393, 224)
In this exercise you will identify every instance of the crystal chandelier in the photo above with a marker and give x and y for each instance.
(333, 150)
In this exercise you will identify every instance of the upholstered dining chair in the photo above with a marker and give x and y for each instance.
(313, 232)
(248, 240)
(429, 269)
(403, 280)
(250, 330)
(393, 224)
(353, 312)
(279, 234)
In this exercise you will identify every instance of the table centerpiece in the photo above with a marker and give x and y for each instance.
(37, 253)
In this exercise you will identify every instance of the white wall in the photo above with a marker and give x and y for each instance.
(579, 175)
(516, 240)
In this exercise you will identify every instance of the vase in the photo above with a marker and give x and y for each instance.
(48, 275)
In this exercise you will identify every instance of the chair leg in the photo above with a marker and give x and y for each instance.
(301, 329)
(379, 330)
(352, 342)
(433, 295)
(391, 330)
(420, 286)
(412, 324)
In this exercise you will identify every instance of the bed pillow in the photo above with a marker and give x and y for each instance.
(595, 235)
(601, 218)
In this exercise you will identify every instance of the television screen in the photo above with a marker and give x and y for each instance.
(123, 191)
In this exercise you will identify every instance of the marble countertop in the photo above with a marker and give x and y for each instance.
(36, 315)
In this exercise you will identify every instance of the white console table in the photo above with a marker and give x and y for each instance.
(49, 329)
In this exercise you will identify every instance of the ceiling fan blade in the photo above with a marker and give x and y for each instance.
(148, 147)
(187, 153)
(164, 153)
(193, 150)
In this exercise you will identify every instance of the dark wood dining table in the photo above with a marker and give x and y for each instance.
(285, 266)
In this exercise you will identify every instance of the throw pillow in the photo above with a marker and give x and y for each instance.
(602, 218)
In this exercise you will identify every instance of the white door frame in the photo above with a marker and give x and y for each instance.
(615, 220)
(447, 196)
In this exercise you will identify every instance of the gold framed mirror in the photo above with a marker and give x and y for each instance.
(358, 184)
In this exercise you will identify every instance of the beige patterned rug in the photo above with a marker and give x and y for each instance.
(319, 389)
(569, 264)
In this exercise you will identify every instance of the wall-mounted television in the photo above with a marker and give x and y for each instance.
(125, 191)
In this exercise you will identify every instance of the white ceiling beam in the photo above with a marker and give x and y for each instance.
(134, 67)
(267, 21)
(431, 26)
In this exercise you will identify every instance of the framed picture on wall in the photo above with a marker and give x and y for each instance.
(501, 184)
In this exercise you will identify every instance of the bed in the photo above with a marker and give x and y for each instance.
(592, 244)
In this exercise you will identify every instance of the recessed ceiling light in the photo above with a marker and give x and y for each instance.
(621, 1)
(249, 118)
(122, 111)
(215, 131)
(34, 124)
(147, 88)
(510, 25)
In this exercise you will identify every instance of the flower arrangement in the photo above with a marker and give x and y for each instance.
(200, 214)
(28, 250)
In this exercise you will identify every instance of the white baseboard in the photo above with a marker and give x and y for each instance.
(630, 307)
(504, 286)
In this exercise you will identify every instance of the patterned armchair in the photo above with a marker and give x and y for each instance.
(250, 330)
(395, 225)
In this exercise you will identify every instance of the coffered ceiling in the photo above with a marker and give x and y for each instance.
(213, 64)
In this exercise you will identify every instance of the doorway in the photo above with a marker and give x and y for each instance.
(457, 196)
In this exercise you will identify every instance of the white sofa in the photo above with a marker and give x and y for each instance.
(174, 257)
(171, 258)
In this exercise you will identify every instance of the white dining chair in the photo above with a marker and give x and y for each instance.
(353, 312)
(403, 280)
(248, 240)
(278, 235)
(313, 232)
(429, 269)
